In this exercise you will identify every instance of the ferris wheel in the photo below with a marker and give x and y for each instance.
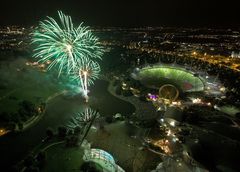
(169, 92)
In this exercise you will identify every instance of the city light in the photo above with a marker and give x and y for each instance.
(196, 100)
(172, 123)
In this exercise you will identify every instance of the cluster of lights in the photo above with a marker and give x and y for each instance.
(3, 131)
(172, 123)
(152, 97)
(194, 53)
(164, 145)
(40, 65)
(197, 101)
(124, 86)
(222, 89)
(135, 91)
(176, 103)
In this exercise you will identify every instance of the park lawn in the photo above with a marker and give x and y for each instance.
(63, 159)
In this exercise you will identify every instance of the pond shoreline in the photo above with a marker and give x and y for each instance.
(143, 110)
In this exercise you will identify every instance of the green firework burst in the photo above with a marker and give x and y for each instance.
(63, 45)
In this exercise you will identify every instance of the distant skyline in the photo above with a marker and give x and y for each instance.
(185, 13)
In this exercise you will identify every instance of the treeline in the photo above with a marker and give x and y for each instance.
(15, 120)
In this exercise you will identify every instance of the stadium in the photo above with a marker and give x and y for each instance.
(173, 80)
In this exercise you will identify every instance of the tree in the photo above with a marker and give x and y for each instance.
(5, 117)
(237, 115)
(41, 158)
(72, 141)
(143, 98)
(109, 119)
(127, 93)
(62, 131)
(116, 82)
(49, 132)
(68, 141)
(15, 117)
(70, 132)
(20, 125)
(90, 167)
(27, 108)
(101, 126)
(118, 90)
(32, 169)
(77, 130)
(11, 126)
(29, 161)
(15, 168)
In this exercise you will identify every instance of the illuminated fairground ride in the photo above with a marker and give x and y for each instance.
(169, 92)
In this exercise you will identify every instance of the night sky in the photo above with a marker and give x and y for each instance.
(209, 13)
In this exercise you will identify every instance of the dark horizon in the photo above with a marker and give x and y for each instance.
(125, 14)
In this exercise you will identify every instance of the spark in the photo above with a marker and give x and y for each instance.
(86, 72)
